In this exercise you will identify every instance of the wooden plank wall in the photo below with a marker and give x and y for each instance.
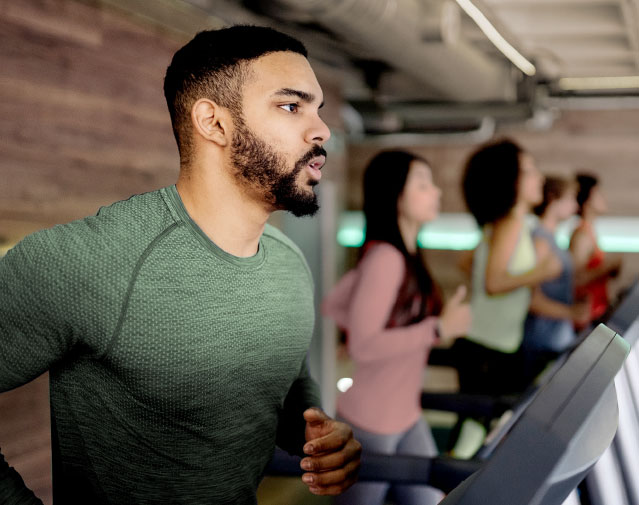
(82, 116)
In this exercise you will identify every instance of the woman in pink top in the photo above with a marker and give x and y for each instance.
(392, 313)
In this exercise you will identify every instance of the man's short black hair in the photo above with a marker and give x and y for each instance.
(491, 179)
(213, 65)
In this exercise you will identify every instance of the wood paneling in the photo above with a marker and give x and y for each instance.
(82, 114)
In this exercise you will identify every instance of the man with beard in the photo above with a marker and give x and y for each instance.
(175, 324)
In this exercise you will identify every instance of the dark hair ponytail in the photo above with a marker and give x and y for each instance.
(384, 181)
(586, 183)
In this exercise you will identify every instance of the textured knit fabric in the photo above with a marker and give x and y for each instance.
(170, 360)
(544, 333)
(385, 395)
(596, 290)
(498, 320)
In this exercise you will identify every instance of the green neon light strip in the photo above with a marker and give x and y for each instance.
(458, 232)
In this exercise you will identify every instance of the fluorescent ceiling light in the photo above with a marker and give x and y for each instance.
(496, 38)
(458, 232)
(621, 82)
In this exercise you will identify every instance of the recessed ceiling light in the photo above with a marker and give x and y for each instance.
(620, 82)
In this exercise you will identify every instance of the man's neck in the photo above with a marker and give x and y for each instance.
(231, 218)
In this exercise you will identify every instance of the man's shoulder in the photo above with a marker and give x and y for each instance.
(276, 236)
(280, 245)
(146, 205)
(119, 226)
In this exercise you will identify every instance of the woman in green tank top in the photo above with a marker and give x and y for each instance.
(501, 185)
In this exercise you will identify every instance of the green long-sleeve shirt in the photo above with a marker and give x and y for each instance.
(170, 360)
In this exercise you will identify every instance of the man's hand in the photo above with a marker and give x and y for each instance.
(333, 460)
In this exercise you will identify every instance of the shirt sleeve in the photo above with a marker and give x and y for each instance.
(33, 332)
(381, 273)
(291, 427)
(32, 338)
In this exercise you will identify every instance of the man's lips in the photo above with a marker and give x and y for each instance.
(317, 163)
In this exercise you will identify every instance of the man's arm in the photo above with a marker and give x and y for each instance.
(302, 395)
(332, 454)
(32, 337)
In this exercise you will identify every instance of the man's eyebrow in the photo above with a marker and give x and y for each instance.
(302, 95)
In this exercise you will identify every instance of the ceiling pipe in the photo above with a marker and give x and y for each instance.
(484, 131)
(393, 31)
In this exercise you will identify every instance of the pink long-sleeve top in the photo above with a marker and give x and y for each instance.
(389, 362)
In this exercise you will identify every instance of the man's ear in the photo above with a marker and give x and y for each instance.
(211, 121)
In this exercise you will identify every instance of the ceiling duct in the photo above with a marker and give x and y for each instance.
(410, 36)
(441, 22)
(430, 118)
(482, 131)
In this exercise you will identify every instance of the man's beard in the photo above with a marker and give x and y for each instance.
(265, 171)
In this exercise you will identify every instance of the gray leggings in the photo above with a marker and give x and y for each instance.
(416, 441)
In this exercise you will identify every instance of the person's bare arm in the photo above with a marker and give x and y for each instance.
(541, 305)
(581, 249)
(502, 246)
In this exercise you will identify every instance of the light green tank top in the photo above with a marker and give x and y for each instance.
(498, 320)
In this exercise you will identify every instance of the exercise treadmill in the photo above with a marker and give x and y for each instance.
(547, 450)
(560, 435)
(615, 478)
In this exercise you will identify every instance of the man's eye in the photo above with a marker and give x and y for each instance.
(290, 107)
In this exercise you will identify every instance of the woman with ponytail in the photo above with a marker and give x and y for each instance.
(392, 312)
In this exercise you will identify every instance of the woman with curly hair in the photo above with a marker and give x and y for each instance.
(501, 185)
